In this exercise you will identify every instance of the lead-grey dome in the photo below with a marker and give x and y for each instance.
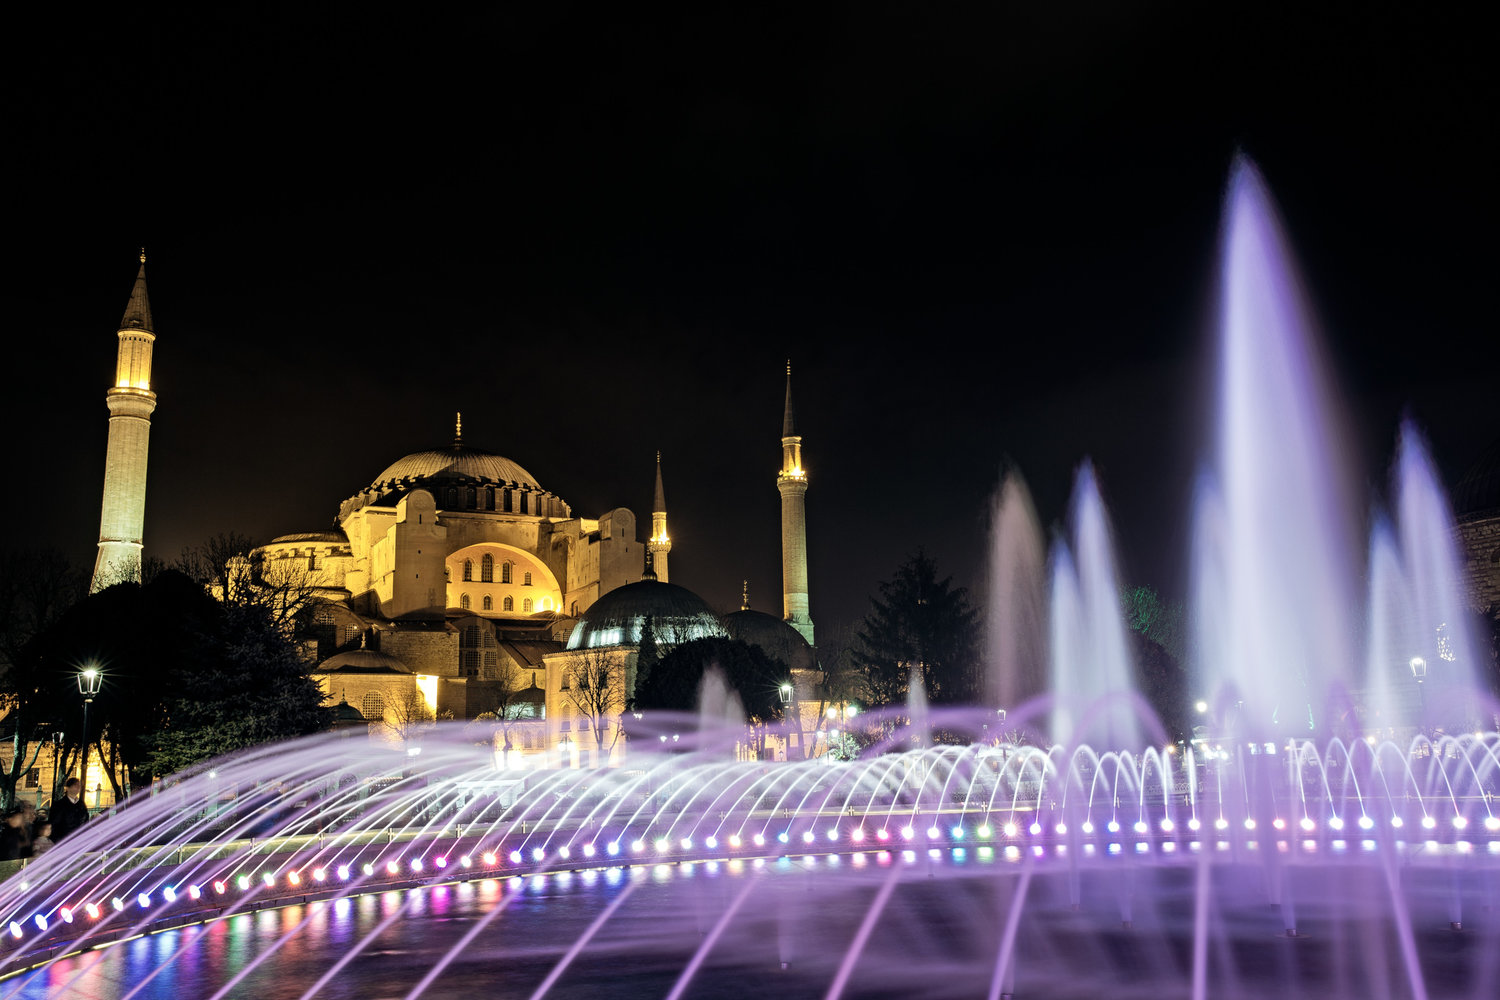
(677, 615)
(362, 661)
(1478, 492)
(776, 638)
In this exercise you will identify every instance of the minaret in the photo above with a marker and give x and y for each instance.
(130, 401)
(660, 543)
(792, 482)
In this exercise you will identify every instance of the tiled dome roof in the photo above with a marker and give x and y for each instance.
(455, 463)
(677, 615)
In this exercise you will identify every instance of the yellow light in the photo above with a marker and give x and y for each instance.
(427, 685)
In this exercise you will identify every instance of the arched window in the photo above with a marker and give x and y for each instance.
(471, 495)
(510, 604)
(505, 573)
(470, 647)
(489, 603)
(487, 568)
(463, 601)
(527, 581)
(373, 706)
(489, 498)
(526, 605)
(468, 570)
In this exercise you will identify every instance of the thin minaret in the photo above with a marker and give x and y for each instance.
(661, 542)
(131, 402)
(792, 482)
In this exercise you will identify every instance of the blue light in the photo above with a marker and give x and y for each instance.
(957, 832)
(537, 854)
(343, 872)
(170, 894)
(40, 921)
(782, 837)
(515, 857)
(144, 899)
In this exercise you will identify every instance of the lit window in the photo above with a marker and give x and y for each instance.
(468, 570)
(463, 601)
(526, 580)
(373, 706)
(526, 605)
(489, 603)
(505, 573)
(487, 568)
(510, 604)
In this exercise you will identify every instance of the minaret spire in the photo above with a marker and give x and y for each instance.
(131, 402)
(660, 543)
(458, 430)
(745, 596)
(791, 481)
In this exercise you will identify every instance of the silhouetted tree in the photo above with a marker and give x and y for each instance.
(648, 656)
(920, 622)
(747, 670)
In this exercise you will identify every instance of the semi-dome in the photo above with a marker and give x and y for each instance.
(457, 462)
(362, 661)
(677, 615)
(311, 536)
(776, 638)
(1478, 492)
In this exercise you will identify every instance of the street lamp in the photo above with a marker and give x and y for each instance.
(565, 751)
(89, 680)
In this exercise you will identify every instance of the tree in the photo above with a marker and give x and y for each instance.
(251, 687)
(594, 684)
(648, 655)
(747, 670)
(408, 716)
(36, 588)
(923, 623)
(1163, 622)
(223, 564)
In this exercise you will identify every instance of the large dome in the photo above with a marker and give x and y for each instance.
(776, 638)
(677, 615)
(455, 463)
(1477, 495)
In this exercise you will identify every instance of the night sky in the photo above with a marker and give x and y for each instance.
(981, 239)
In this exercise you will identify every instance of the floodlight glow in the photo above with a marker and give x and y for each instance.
(588, 850)
(143, 899)
(119, 904)
(782, 837)
(687, 843)
(1062, 829)
(15, 929)
(1035, 828)
(1460, 823)
(319, 875)
(1278, 823)
(638, 846)
(1250, 823)
(416, 864)
(170, 894)
(1141, 827)
(392, 867)
(368, 868)
(663, 845)
(1336, 823)
(613, 848)
(833, 833)
(466, 861)
(907, 833)
(537, 854)
(490, 859)
(294, 878)
(1397, 822)
(343, 873)
(66, 914)
(1113, 826)
(882, 834)
(564, 851)
(933, 833)
(760, 840)
(957, 833)
(1492, 823)
(1366, 823)
(1194, 824)
(1167, 825)
(734, 840)
(984, 830)
(858, 834)
(1087, 826)
(194, 892)
(441, 861)
(1010, 830)
(1429, 822)
(711, 842)
(243, 882)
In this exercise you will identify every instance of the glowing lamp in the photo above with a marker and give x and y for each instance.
(588, 850)
(170, 894)
(1088, 826)
(933, 833)
(40, 921)
(663, 845)
(882, 834)
(219, 887)
(67, 915)
(1194, 825)
(907, 833)
(1062, 829)
(15, 929)
(613, 848)
(957, 833)
(119, 904)
(268, 879)
(319, 875)
(1167, 825)
(466, 861)
(1428, 822)
(294, 878)
(368, 868)
(143, 900)
(1397, 822)
(782, 837)
(1141, 827)
(808, 836)
(416, 864)
(687, 844)
(537, 854)
(564, 852)
(1460, 823)
(858, 834)
(194, 892)
(343, 871)
(1035, 828)
(1366, 823)
(392, 867)
(1492, 823)
(92, 911)
(711, 842)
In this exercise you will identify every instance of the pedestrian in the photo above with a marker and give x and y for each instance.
(69, 812)
(15, 843)
(41, 839)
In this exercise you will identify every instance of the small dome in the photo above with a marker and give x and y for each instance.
(345, 714)
(362, 661)
(1478, 492)
(455, 463)
(776, 638)
(677, 615)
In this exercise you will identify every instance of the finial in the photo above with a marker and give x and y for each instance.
(745, 597)
(458, 429)
(788, 367)
(362, 637)
(143, 255)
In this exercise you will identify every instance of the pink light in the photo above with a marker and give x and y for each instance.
(882, 834)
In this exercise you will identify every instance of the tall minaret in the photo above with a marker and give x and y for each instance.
(660, 543)
(130, 401)
(792, 482)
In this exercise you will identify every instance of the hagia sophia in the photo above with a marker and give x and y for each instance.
(455, 584)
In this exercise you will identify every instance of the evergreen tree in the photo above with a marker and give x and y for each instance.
(648, 657)
(754, 676)
(920, 622)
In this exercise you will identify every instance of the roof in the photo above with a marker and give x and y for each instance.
(1478, 492)
(456, 462)
(362, 661)
(677, 615)
(138, 309)
(659, 505)
(312, 536)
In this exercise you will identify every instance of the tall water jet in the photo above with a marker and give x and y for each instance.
(1091, 663)
(1285, 558)
(1016, 640)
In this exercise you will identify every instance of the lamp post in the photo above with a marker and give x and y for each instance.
(57, 739)
(89, 680)
(785, 691)
(1419, 671)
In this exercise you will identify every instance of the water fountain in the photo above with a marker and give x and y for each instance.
(1320, 837)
